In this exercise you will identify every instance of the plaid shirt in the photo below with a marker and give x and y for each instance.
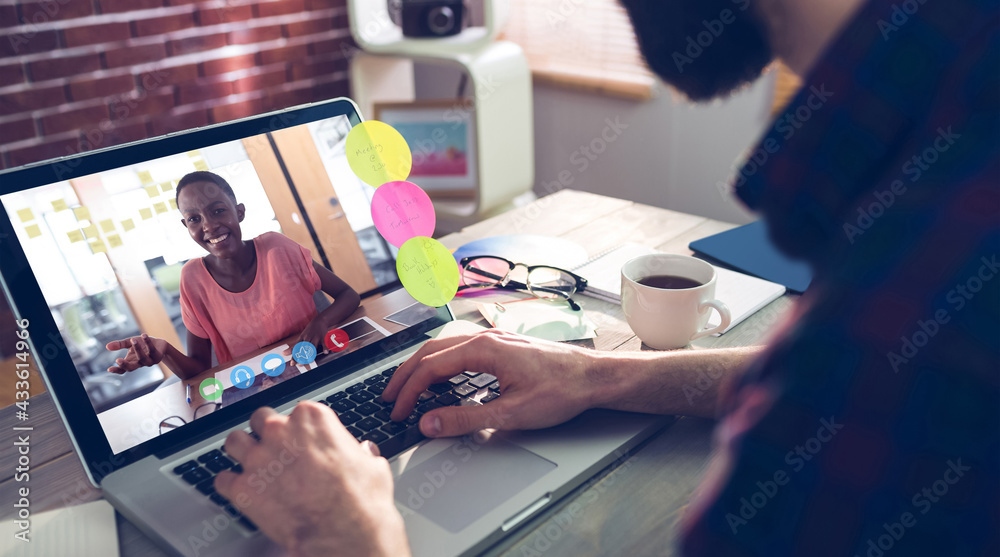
(870, 427)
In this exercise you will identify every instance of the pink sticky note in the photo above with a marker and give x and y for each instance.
(401, 210)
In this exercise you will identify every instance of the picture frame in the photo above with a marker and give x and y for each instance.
(442, 138)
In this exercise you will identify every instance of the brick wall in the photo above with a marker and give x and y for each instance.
(82, 74)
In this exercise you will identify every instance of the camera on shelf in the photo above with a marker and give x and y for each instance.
(428, 18)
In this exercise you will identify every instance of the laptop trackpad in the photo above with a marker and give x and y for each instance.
(460, 484)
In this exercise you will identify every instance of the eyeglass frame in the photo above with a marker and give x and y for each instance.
(194, 414)
(506, 283)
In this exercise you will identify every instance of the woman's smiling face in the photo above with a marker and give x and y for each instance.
(212, 218)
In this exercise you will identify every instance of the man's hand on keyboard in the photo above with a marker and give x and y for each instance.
(542, 383)
(311, 487)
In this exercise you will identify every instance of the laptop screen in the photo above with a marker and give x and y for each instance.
(115, 255)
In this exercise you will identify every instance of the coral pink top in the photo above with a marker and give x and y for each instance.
(278, 304)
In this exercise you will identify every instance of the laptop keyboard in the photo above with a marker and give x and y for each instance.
(366, 416)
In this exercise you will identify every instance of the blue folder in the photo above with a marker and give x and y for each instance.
(748, 249)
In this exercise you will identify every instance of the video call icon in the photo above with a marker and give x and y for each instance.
(211, 389)
(304, 353)
(242, 377)
(273, 365)
(336, 340)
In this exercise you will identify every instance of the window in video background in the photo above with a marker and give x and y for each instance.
(107, 249)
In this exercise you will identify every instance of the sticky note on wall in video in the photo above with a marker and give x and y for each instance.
(377, 153)
(97, 246)
(160, 207)
(114, 240)
(91, 231)
(25, 214)
(145, 177)
(401, 210)
(33, 231)
(59, 205)
(145, 213)
(173, 203)
(127, 225)
(75, 236)
(428, 271)
(201, 165)
(166, 186)
(151, 191)
(81, 213)
(107, 225)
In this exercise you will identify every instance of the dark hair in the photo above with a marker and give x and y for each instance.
(692, 47)
(205, 176)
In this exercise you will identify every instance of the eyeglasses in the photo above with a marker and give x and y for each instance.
(542, 281)
(171, 423)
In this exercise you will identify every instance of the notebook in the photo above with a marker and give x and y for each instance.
(744, 294)
(749, 249)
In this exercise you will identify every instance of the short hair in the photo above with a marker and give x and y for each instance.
(205, 176)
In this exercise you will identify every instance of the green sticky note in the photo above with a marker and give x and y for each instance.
(33, 230)
(428, 271)
(25, 214)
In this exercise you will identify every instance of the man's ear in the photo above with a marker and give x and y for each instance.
(241, 211)
(184, 222)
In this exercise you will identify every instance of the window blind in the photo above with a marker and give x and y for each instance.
(582, 43)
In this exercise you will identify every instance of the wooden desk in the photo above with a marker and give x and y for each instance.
(631, 509)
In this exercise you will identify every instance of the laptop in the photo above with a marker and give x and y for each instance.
(93, 252)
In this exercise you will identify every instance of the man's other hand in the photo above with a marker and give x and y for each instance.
(311, 487)
(542, 383)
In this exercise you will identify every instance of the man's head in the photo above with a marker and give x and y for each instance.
(703, 48)
(210, 213)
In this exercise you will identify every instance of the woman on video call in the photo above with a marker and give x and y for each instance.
(243, 295)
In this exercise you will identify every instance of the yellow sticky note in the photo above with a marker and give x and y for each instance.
(59, 205)
(90, 231)
(377, 153)
(107, 225)
(173, 203)
(33, 230)
(151, 191)
(145, 213)
(25, 214)
(127, 225)
(114, 240)
(97, 246)
(166, 186)
(82, 213)
(427, 270)
(145, 177)
(160, 207)
(75, 236)
(194, 154)
(201, 165)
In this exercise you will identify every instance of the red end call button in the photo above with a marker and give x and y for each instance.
(335, 340)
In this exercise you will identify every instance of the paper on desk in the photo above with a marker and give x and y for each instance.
(81, 530)
(540, 319)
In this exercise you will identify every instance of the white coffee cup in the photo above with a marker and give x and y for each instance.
(667, 318)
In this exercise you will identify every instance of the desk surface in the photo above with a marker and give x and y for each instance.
(631, 509)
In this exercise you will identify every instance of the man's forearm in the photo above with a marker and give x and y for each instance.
(684, 382)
